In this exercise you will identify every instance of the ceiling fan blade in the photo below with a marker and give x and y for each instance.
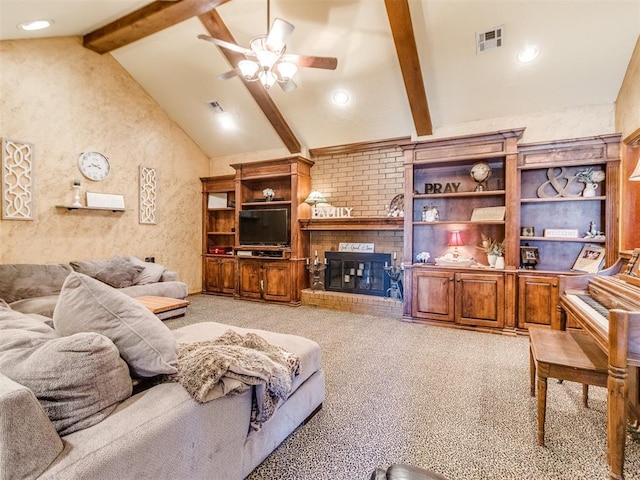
(227, 45)
(290, 86)
(278, 34)
(230, 74)
(329, 63)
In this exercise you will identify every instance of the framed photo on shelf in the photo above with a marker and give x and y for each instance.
(590, 259)
(529, 257)
(527, 232)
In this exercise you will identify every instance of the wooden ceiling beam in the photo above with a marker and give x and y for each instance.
(145, 21)
(217, 28)
(404, 39)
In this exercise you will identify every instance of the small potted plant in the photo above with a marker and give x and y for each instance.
(494, 250)
(423, 257)
(268, 194)
(590, 178)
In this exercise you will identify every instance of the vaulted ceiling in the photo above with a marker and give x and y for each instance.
(409, 67)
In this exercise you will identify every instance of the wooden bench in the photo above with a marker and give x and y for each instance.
(570, 356)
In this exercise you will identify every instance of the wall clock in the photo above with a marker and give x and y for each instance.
(94, 165)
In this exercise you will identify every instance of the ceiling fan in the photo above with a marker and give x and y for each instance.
(266, 58)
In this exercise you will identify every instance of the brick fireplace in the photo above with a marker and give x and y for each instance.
(359, 273)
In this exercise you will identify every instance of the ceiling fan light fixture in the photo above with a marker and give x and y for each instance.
(248, 69)
(267, 78)
(267, 58)
(286, 70)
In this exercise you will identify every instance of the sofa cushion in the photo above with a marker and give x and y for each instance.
(18, 281)
(79, 379)
(145, 343)
(151, 272)
(119, 272)
(44, 305)
(305, 349)
(27, 446)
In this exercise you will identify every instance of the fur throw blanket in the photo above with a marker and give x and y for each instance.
(233, 363)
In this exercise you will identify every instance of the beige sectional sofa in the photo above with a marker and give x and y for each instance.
(158, 432)
(34, 288)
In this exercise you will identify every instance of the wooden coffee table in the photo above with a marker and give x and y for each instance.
(164, 307)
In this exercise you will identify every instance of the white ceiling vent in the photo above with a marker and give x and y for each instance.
(489, 39)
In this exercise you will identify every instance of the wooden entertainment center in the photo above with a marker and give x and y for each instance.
(274, 273)
(535, 183)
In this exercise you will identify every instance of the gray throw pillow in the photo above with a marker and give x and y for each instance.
(119, 272)
(145, 343)
(151, 273)
(78, 380)
(88, 267)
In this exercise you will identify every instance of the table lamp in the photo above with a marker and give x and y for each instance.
(455, 240)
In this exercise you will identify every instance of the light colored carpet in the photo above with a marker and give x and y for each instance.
(453, 401)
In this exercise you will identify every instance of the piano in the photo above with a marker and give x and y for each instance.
(607, 307)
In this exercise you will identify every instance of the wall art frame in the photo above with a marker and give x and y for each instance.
(148, 207)
(17, 180)
(590, 259)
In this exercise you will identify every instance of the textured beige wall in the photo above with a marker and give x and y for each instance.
(628, 102)
(66, 99)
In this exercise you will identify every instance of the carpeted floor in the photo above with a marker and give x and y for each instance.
(453, 401)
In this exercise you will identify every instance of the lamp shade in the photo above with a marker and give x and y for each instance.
(286, 70)
(315, 197)
(248, 68)
(635, 176)
(455, 239)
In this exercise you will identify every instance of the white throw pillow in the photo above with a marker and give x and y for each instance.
(144, 342)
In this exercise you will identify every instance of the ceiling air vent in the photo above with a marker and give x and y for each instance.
(489, 39)
(217, 108)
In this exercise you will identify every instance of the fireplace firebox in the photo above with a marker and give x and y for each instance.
(361, 273)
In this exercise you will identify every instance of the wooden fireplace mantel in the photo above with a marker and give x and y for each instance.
(352, 223)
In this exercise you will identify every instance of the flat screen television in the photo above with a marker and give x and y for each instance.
(264, 227)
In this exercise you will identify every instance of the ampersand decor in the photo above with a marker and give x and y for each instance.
(560, 183)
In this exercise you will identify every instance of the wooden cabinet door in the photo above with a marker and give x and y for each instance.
(250, 279)
(479, 299)
(212, 275)
(538, 300)
(432, 295)
(276, 281)
(228, 276)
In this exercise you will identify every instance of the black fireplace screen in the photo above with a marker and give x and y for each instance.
(357, 273)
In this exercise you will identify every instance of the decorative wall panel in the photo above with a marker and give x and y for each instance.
(148, 195)
(17, 181)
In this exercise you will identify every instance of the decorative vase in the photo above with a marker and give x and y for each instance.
(499, 263)
(491, 258)
(589, 189)
(76, 196)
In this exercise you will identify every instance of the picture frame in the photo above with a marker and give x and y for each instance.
(527, 231)
(529, 257)
(590, 259)
(480, 214)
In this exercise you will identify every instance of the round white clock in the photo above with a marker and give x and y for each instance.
(94, 165)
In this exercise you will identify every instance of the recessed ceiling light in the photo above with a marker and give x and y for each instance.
(528, 54)
(340, 97)
(35, 25)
